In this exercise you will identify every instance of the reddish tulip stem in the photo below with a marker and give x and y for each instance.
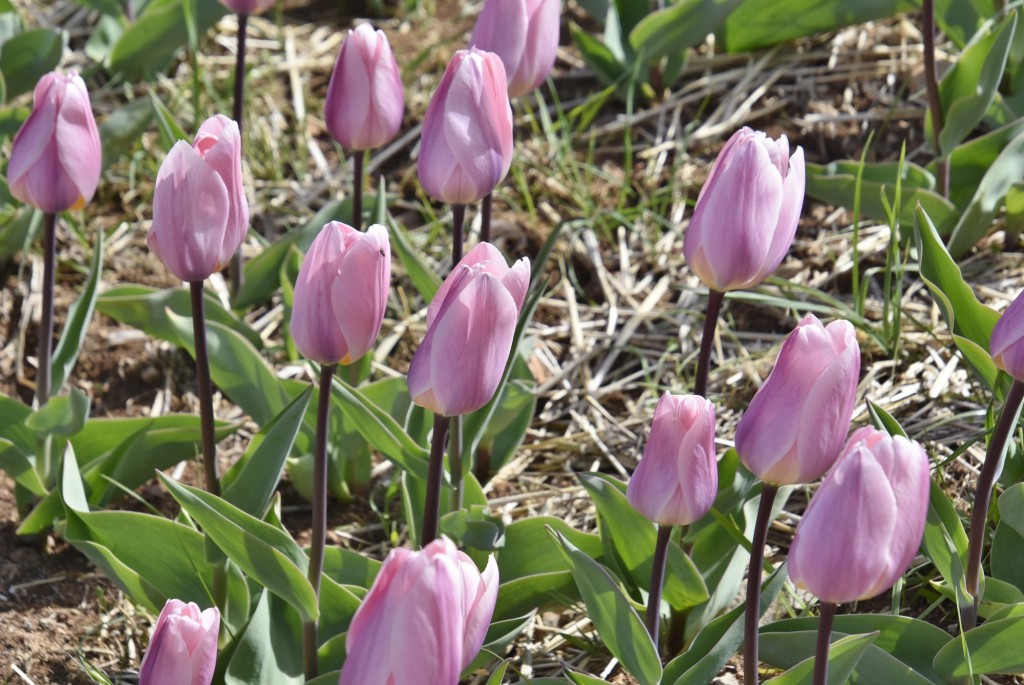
(657, 582)
(827, 613)
(715, 299)
(931, 81)
(753, 611)
(237, 276)
(46, 318)
(435, 474)
(319, 534)
(205, 389)
(983, 494)
(455, 461)
(357, 190)
(485, 218)
(458, 219)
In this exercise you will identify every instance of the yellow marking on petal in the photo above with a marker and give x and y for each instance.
(79, 203)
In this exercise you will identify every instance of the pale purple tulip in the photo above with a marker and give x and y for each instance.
(797, 422)
(183, 649)
(55, 157)
(466, 148)
(864, 525)
(470, 325)
(341, 293)
(524, 33)
(364, 103)
(1007, 344)
(424, 619)
(747, 212)
(248, 6)
(200, 214)
(676, 481)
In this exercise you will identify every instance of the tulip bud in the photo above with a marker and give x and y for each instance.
(524, 33)
(466, 147)
(183, 649)
(341, 293)
(364, 104)
(747, 212)
(865, 523)
(424, 619)
(470, 325)
(676, 481)
(200, 214)
(795, 425)
(1007, 344)
(55, 156)
(248, 6)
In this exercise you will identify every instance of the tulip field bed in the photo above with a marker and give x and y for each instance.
(610, 154)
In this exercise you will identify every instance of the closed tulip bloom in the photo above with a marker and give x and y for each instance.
(183, 649)
(55, 156)
(864, 525)
(794, 428)
(424, 619)
(1007, 344)
(248, 6)
(747, 212)
(470, 325)
(341, 293)
(524, 33)
(200, 214)
(466, 147)
(676, 481)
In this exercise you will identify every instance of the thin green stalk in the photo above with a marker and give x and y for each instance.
(657, 582)
(435, 474)
(828, 612)
(858, 294)
(752, 614)
(319, 534)
(237, 275)
(357, 189)
(983, 494)
(46, 318)
(204, 389)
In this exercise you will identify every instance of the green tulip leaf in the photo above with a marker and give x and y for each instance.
(62, 415)
(269, 652)
(994, 648)
(843, 657)
(148, 45)
(19, 467)
(27, 57)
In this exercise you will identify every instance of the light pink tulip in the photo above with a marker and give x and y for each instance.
(424, 619)
(1007, 344)
(55, 157)
(747, 212)
(341, 293)
(470, 325)
(183, 649)
(466, 147)
(865, 523)
(248, 6)
(676, 481)
(200, 214)
(524, 33)
(795, 425)
(364, 104)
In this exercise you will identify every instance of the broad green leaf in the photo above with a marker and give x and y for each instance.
(27, 57)
(266, 554)
(12, 424)
(62, 415)
(346, 567)
(1011, 507)
(544, 557)
(19, 467)
(970, 161)
(598, 57)
(1007, 555)
(122, 129)
(269, 652)
(578, 678)
(498, 675)
(994, 648)
(338, 604)
(500, 635)
(678, 26)
(843, 656)
(621, 629)
(101, 435)
(148, 45)
(79, 315)
(945, 542)
(885, 421)
(423, 278)
(16, 232)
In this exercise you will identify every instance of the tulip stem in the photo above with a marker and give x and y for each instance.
(357, 190)
(715, 299)
(827, 613)
(239, 106)
(435, 474)
(455, 461)
(319, 534)
(485, 217)
(983, 494)
(753, 611)
(205, 390)
(657, 581)
(931, 81)
(46, 318)
(458, 219)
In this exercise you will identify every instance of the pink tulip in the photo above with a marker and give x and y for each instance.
(364, 104)
(467, 132)
(1007, 345)
(470, 325)
(200, 214)
(865, 523)
(747, 212)
(341, 293)
(424, 619)
(795, 425)
(183, 649)
(677, 480)
(55, 156)
(248, 6)
(524, 33)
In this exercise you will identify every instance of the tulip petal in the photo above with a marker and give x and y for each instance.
(789, 215)
(359, 295)
(484, 254)
(78, 140)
